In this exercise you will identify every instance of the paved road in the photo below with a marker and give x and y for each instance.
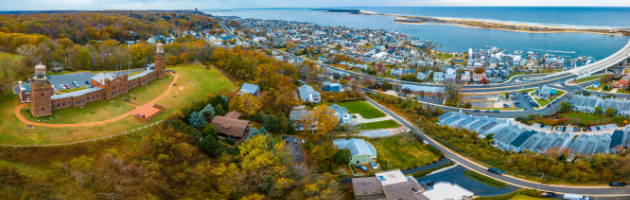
(456, 175)
(465, 162)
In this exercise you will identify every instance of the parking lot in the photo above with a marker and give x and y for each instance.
(81, 77)
(456, 175)
(297, 155)
(523, 101)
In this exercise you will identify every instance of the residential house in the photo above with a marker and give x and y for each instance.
(621, 107)
(478, 77)
(506, 136)
(579, 144)
(368, 188)
(492, 128)
(545, 143)
(393, 184)
(482, 122)
(585, 104)
(562, 141)
(308, 94)
(452, 121)
(332, 87)
(230, 126)
(438, 77)
(299, 118)
(360, 150)
(421, 76)
(342, 114)
(603, 144)
(465, 77)
(396, 72)
(250, 89)
(517, 144)
(531, 143)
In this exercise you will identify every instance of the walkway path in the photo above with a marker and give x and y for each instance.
(132, 112)
(361, 120)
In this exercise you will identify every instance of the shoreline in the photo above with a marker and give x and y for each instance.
(524, 28)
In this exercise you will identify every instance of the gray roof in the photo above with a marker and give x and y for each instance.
(579, 143)
(446, 115)
(579, 100)
(591, 145)
(603, 144)
(617, 105)
(76, 93)
(144, 73)
(508, 134)
(456, 118)
(546, 142)
(249, 88)
(533, 141)
(338, 109)
(356, 146)
(470, 120)
(522, 138)
(560, 140)
(616, 139)
(492, 124)
(483, 121)
(299, 115)
(305, 90)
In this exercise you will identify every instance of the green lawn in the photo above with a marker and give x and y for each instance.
(379, 125)
(590, 78)
(443, 56)
(14, 58)
(205, 82)
(516, 195)
(484, 179)
(544, 102)
(402, 155)
(584, 117)
(364, 108)
(428, 171)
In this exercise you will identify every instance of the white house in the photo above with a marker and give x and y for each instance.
(585, 104)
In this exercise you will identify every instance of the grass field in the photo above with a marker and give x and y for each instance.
(379, 125)
(402, 155)
(15, 132)
(544, 102)
(590, 78)
(364, 108)
(584, 117)
(443, 56)
(516, 195)
(484, 179)
(13, 57)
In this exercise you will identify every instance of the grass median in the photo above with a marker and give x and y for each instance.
(365, 109)
(484, 179)
(379, 125)
(402, 155)
(422, 173)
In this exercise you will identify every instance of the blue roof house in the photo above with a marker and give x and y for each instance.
(342, 114)
(250, 89)
(308, 94)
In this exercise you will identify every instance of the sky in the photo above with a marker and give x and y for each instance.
(236, 4)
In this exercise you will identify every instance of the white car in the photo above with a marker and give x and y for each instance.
(61, 87)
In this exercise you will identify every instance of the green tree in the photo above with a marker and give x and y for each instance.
(271, 122)
(197, 120)
(84, 58)
(211, 147)
(220, 110)
(210, 131)
(342, 156)
(610, 112)
(208, 112)
(565, 107)
(598, 110)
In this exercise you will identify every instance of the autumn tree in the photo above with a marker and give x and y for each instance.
(246, 103)
(324, 120)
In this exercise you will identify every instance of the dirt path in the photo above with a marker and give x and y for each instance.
(19, 115)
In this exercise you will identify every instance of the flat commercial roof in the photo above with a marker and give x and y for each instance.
(76, 93)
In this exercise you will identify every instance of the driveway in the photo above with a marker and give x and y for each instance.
(297, 155)
(456, 175)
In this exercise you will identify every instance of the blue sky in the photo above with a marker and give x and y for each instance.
(232, 4)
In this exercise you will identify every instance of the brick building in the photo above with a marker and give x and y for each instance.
(105, 86)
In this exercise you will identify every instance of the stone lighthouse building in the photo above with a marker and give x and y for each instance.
(160, 61)
(41, 92)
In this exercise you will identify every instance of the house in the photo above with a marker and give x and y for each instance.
(342, 114)
(421, 76)
(392, 184)
(506, 136)
(545, 92)
(617, 141)
(480, 123)
(603, 144)
(452, 121)
(492, 128)
(562, 141)
(299, 118)
(446, 190)
(438, 77)
(585, 104)
(531, 143)
(465, 77)
(596, 84)
(332, 87)
(545, 143)
(360, 151)
(579, 144)
(308, 94)
(230, 126)
(322, 59)
(621, 107)
(250, 89)
(517, 144)
(396, 72)
(478, 77)
(468, 122)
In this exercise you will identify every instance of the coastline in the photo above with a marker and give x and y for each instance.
(525, 28)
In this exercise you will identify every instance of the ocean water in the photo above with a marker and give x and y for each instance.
(453, 38)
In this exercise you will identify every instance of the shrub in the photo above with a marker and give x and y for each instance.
(342, 156)
(271, 123)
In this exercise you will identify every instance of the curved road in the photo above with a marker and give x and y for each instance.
(603, 191)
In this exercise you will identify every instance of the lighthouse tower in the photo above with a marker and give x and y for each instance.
(160, 61)
(41, 93)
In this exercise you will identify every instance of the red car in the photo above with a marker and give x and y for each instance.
(67, 86)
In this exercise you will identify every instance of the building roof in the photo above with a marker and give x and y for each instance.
(617, 105)
(397, 186)
(579, 100)
(75, 93)
(418, 88)
(603, 144)
(561, 140)
(444, 190)
(299, 115)
(338, 109)
(508, 134)
(579, 143)
(483, 122)
(470, 121)
(522, 138)
(27, 87)
(367, 185)
(230, 126)
(546, 142)
(616, 139)
(492, 124)
(446, 115)
(249, 88)
(233, 115)
(455, 118)
(533, 140)
(356, 146)
(144, 73)
(306, 90)
(591, 145)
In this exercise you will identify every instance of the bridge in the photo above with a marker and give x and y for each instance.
(620, 57)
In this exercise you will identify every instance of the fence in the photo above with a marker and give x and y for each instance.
(224, 74)
(91, 140)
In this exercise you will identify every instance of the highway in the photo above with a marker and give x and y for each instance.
(603, 191)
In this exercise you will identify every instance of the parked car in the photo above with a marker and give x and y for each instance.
(589, 129)
(488, 111)
(564, 129)
(87, 82)
(495, 170)
(542, 125)
(47, 76)
(67, 86)
(373, 165)
(75, 84)
(517, 103)
(476, 111)
(617, 184)
(574, 197)
(495, 111)
(61, 87)
(363, 168)
(575, 129)
(547, 194)
(513, 98)
(295, 140)
(597, 127)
